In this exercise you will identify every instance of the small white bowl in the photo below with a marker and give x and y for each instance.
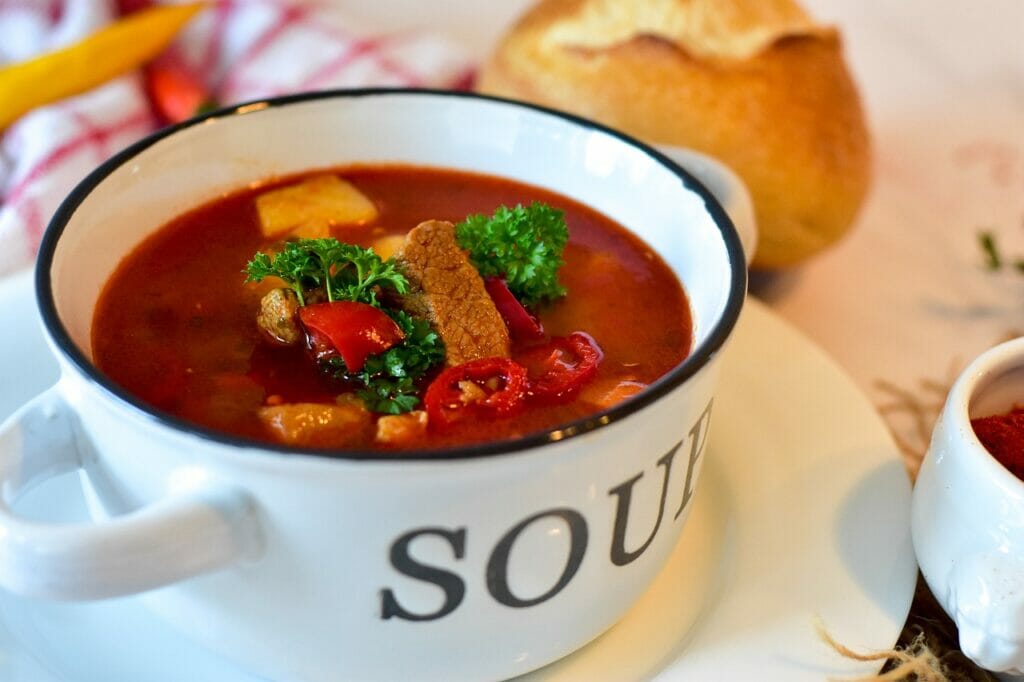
(968, 515)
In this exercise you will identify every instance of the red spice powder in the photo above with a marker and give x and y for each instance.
(1003, 436)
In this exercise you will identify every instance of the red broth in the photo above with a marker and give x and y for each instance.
(175, 325)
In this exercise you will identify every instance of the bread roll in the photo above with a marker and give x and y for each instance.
(755, 83)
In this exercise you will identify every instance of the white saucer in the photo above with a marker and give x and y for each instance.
(802, 512)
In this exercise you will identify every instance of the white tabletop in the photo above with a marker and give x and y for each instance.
(905, 299)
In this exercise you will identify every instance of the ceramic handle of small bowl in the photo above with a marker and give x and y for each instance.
(988, 608)
(181, 536)
(727, 187)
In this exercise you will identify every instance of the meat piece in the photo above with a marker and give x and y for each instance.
(278, 317)
(315, 424)
(448, 290)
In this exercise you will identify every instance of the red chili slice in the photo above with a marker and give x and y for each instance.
(355, 330)
(501, 384)
(521, 324)
(560, 368)
(176, 94)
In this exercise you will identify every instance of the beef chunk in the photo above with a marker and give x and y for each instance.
(446, 289)
(277, 317)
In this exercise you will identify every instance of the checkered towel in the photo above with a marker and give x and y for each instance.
(240, 49)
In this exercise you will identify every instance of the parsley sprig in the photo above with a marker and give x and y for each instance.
(345, 272)
(522, 244)
(390, 377)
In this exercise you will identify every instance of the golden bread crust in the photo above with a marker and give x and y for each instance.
(786, 118)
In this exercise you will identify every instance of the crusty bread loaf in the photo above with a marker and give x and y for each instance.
(755, 83)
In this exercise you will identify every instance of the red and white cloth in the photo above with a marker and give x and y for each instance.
(240, 49)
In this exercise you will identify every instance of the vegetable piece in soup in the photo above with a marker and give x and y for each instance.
(389, 308)
(309, 208)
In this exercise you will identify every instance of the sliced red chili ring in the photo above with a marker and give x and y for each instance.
(521, 324)
(561, 367)
(502, 385)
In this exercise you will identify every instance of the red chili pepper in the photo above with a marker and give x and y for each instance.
(176, 94)
(521, 324)
(355, 330)
(560, 368)
(502, 386)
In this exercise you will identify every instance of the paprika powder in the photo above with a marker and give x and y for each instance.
(1003, 436)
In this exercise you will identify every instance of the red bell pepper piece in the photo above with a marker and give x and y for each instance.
(354, 330)
(521, 324)
(560, 368)
(501, 384)
(176, 94)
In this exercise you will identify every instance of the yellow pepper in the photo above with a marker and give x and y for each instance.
(110, 52)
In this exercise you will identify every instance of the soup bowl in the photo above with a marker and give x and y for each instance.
(473, 562)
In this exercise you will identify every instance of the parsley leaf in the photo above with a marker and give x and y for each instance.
(987, 242)
(390, 377)
(357, 271)
(391, 396)
(345, 272)
(296, 268)
(522, 244)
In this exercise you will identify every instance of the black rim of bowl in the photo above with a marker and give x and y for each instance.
(679, 374)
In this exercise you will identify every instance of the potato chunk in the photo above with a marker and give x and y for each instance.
(402, 429)
(315, 424)
(605, 393)
(386, 247)
(310, 207)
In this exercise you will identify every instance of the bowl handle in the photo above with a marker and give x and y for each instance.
(178, 537)
(986, 603)
(726, 186)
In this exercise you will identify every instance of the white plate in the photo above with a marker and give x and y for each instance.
(803, 512)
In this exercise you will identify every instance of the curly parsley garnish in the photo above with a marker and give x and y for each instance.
(522, 244)
(390, 377)
(344, 272)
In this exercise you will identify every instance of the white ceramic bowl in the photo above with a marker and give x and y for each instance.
(478, 562)
(968, 515)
